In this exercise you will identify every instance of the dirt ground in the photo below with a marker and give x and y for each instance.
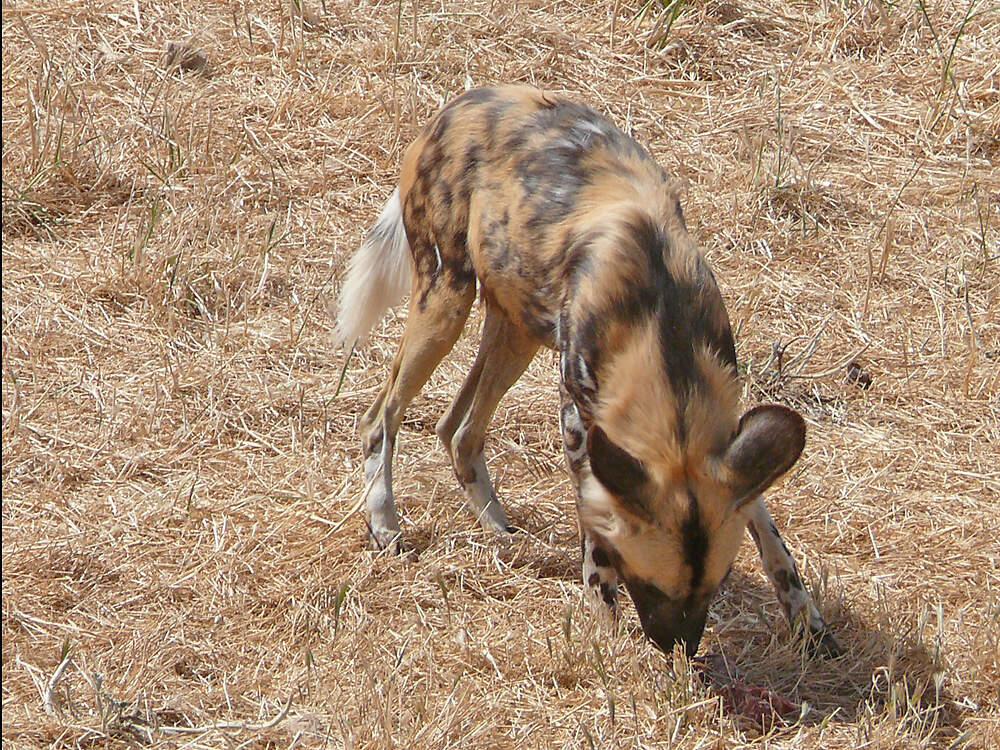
(183, 563)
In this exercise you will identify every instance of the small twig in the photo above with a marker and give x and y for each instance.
(48, 701)
(803, 357)
(343, 371)
(778, 353)
(229, 725)
(857, 107)
(884, 228)
(968, 314)
(833, 368)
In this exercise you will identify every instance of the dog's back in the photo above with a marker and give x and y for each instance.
(514, 185)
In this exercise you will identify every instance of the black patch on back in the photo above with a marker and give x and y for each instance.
(442, 190)
(686, 310)
(470, 161)
(561, 114)
(471, 98)
(476, 96)
(553, 172)
(650, 240)
(585, 129)
(551, 176)
(576, 248)
(442, 122)
(687, 313)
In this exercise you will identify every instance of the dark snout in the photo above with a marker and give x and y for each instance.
(666, 621)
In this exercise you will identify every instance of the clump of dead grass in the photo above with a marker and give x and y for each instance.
(179, 458)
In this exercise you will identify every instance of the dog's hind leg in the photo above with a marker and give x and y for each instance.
(504, 353)
(439, 306)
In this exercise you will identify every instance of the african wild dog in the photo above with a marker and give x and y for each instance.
(576, 239)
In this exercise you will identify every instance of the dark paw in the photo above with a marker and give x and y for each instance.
(603, 595)
(609, 595)
(821, 643)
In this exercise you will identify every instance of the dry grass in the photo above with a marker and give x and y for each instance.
(182, 183)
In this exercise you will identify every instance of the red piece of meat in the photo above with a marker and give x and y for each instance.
(764, 708)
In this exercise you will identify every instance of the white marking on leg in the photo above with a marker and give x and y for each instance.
(574, 434)
(586, 378)
(382, 517)
(600, 581)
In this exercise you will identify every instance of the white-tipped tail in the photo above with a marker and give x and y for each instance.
(377, 276)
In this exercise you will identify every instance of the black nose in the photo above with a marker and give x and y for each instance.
(683, 627)
(666, 621)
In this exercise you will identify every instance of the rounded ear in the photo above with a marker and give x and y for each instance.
(621, 473)
(768, 442)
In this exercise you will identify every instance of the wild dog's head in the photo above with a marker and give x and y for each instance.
(673, 530)
(652, 367)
